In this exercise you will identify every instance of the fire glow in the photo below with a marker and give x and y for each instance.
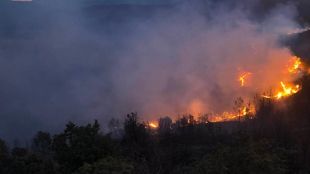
(230, 116)
(296, 65)
(295, 68)
(282, 89)
(288, 89)
(153, 125)
(243, 78)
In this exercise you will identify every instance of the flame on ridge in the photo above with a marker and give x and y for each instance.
(288, 89)
(285, 89)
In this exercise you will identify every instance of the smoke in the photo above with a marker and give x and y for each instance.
(188, 63)
(80, 61)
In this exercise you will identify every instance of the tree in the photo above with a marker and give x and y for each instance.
(164, 126)
(41, 143)
(4, 156)
(244, 157)
(135, 132)
(108, 165)
(139, 145)
(80, 144)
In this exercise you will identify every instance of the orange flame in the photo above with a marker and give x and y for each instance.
(153, 125)
(286, 88)
(229, 116)
(243, 78)
(296, 65)
(289, 89)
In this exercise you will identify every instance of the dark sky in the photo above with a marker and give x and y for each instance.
(134, 1)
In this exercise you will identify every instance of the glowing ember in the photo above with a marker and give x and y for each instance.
(296, 65)
(287, 90)
(153, 125)
(243, 78)
(230, 116)
(244, 111)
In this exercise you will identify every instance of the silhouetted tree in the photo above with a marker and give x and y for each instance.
(164, 125)
(4, 156)
(80, 144)
(135, 132)
(108, 165)
(41, 143)
(139, 145)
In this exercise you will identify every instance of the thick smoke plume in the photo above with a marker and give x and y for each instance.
(80, 61)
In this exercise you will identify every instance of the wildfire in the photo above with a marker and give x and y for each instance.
(153, 125)
(243, 78)
(244, 111)
(283, 88)
(296, 65)
(287, 89)
(241, 112)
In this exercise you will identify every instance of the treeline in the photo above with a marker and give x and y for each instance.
(275, 141)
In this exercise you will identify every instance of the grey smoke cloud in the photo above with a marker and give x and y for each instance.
(74, 61)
